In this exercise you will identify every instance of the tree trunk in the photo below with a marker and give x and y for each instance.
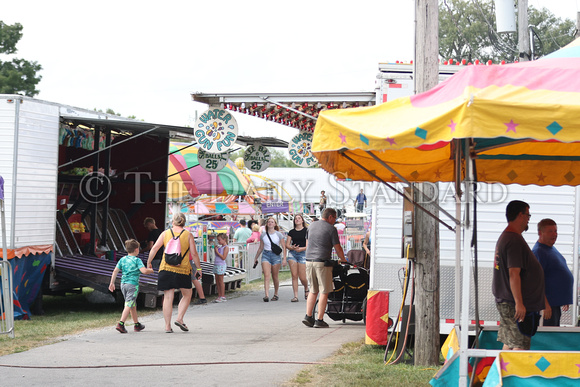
(426, 228)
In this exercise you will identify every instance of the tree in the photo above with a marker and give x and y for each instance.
(17, 76)
(467, 30)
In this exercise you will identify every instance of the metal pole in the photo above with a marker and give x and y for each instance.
(6, 275)
(465, 300)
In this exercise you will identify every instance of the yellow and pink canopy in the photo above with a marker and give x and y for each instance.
(522, 122)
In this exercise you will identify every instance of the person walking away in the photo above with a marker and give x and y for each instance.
(131, 268)
(322, 238)
(242, 233)
(360, 201)
(219, 267)
(518, 280)
(296, 243)
(271, 260)
(154, 233)
(178, 276)
(558, 278)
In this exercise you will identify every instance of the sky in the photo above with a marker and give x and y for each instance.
(146, 58)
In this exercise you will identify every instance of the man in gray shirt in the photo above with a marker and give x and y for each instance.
(322, 236)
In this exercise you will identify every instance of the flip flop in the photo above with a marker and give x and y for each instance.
(182, 326)
(169, 331)
(295, 299)
(266, 299)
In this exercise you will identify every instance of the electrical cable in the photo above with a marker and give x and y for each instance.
(394, 331)
(411, 302)
(164, 364)
(410, 274)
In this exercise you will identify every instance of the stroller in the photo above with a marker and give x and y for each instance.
(351, 284)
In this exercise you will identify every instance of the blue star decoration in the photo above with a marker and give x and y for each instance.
(422, 133)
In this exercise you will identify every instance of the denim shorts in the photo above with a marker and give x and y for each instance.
(299, 257)
(271, 258)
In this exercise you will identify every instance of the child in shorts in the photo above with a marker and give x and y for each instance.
(219, 268)
(131, 268)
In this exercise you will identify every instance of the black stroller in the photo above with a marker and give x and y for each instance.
(351, 284)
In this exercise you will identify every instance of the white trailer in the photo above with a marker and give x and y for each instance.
(388, 257)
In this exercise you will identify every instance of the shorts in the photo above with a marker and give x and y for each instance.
(508, 332)
(319, 277)
(299, 257)
(219, 269)
(130, 293)
(167, 280)
(271, 258)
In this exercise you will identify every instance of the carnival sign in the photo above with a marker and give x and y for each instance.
(212, 162)
(257, 158)
(300, 150)
(216, 131)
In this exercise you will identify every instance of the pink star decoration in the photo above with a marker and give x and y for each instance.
(511, 126)
(342, 138)
(390, 140)
(452, 126)
(503, 364)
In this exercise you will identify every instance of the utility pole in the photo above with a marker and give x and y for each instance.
(523, 33)
(427, 343)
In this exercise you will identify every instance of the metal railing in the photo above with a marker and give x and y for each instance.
(6, 301)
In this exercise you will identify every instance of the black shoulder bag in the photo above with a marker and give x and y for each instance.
(275, 248)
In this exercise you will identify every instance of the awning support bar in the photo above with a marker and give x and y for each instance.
(402, 194)
(414, 188)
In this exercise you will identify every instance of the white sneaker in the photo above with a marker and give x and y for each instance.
(223, 299)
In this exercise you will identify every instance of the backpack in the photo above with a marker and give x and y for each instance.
(173, 255)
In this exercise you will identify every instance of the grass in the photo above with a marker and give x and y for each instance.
(360, 365)
(63, 316)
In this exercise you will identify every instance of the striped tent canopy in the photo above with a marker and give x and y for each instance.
(521, 122)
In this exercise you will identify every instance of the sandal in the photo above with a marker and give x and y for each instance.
(275, 298)
(266, 299)
(295, 299)
(182, 326)
(306, 293)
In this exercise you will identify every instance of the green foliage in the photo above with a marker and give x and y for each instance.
(17, 76)
(467, 30)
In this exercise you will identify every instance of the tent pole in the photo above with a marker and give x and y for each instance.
(435, 204)
(464, 338)
(457, 301)
(575, 256)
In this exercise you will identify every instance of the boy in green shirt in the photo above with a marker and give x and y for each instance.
(132, 267)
